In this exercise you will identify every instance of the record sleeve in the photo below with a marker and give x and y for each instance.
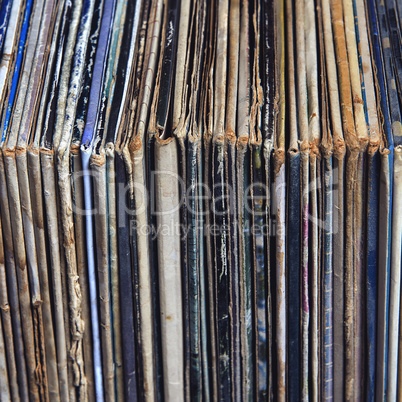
(279, 195)
(293, 217)
(338, 202)
(369, 97)
(5, 11)
(180, 131)
(195, 183)
(53, 288)
(9, 390)
(231, 194)
(153, 42)
(169, 277)
(394, 29)
(304, 161)
(352, 140)
(129, 96)
(4, 383)
(145, 65)
(385, 208)
(135, 266)
(269, 124)
(359, 229)
(167, 199)
(395, 277)
(99, 183)
(208, 221)
(19, 306)
(31, 197)
(326, 225)
(87, 144)
(11, 39)
(242, 182)
(186, 130)
(389, 40)
(126, 283)
(314, 138)
(63, 130)
(219, 216)
(56, 259)
(49, 144)
(24, 243)
(77, 189)
(257, 209)
(13, 336)
(129, 100)
(280, 203)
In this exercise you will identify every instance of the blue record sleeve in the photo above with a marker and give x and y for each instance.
(385, 209)
(5, 10)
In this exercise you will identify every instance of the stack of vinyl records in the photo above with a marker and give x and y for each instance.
(200, 200)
